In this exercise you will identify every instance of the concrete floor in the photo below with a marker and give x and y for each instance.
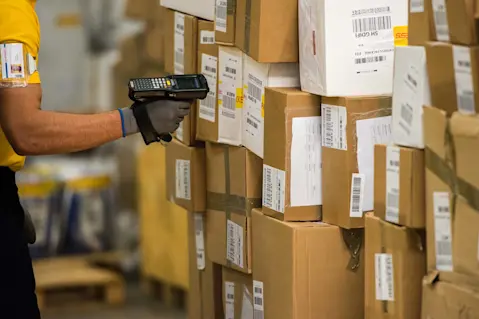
(138, 306)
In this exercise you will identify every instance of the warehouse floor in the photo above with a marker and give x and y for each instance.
(137, 306)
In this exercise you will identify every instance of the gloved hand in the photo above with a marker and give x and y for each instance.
(155, 118)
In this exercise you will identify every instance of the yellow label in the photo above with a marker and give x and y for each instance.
(401, 36)
(239, 98)
(262, 105)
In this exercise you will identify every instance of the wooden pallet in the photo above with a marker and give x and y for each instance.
(171, 296)
(60, 278)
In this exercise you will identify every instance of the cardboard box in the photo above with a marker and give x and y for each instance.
(462, 18)
(395, 266)
(449, 296)
(267, 31)
(420, 22)
(204, 9)
(305, 270)
(292, 163)
(224, 123)
(350, 128)
(237, 294)
(139, 9)
(225, 22)
(181, 42)
(438, 175)
(348, 49)
(399, 185)
(132, 55)
(233, 190)
(256, 77)
(185, 176)
(454, 77)
(205, 292)
(154, 43)
(410, 93)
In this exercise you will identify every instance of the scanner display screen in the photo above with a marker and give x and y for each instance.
(187, 83)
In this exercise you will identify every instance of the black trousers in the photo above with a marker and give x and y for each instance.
(17, 281)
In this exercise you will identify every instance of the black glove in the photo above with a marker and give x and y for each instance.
(28, 228)
(154, 119)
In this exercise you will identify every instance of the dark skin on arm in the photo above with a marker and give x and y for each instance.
(32, 131)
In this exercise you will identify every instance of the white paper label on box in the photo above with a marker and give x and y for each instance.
(230, 300)
(207, 37)
(179, 132)
(373, 32)
(221, 15)
(258, 299)
(463, 75)
(357, 196)
(392, 183)
(334, 124)
(179, 43)
(200, 242)
(12, 61)
(305, 185)
(274, 182)
(247, 308)
(442, 231)
(234, 246)
(209, 67)
(412, 84)
(440, 20)
(417, 6)
(371, 132)
(384, 272)
(230, 97)
(183, 184)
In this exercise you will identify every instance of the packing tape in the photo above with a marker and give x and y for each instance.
(353, 238)
(233, 203)
(247, 26)
(231, 7)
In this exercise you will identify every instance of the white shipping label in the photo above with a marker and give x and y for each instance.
(384, 274)
(179, 43)
(411, 96)
(371, 132)
(230, 300)
(209, 67)
(305, 186)
(183, 180)
(180, 132)
(416, 6)
(200, 242)
(258, 299)
(372, 31)
(274, 183)
(234, 243)
(221, 15)
(357, 196)
(442, 231)
(392, 183)
(463, 75)
(207, 37)
(440, 20)
(12, 61)
(334, 124)
(247, 307)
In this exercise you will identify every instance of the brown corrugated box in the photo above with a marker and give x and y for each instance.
(462, 18)
(305, 270)
(132, 55)
(395, 266)
(154, 38)
(442, 77)
(225, 22)
(339, 165)
(438, 158)
(190, 42)
(185, 176)
(139, 9)
(282, 107)
(407, 201)
(450, 296)
(421, 25)
(233, 190)
(267, 30)
(204, 297)
(237, 294)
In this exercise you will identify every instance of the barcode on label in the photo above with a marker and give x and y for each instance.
(258, 290)
(209, 102)
(179, 57)
(230, 296)
(444, 248)
(180, 27)
(371, 59)
(258, 301)
(231, 241)
(442, 231)
(372, 24)
(407, 113)
(252, 123)
(186, 180)
(440, 17)
(357, 187)
(466, 102)
(229, 102)
(384, 274)
(443, 209)
(207, 40)
(393, 199)
(389, 278)
(199, 226)
(328, 126)
(254, 91)
(230, 70)
(417, 6)
(210, 69)
(268, 187)
(221, 11)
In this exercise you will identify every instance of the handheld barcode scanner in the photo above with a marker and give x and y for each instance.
(172, 87)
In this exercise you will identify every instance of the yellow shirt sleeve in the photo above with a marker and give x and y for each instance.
(19, 24)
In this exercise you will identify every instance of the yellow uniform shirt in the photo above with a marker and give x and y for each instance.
(18, 24)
